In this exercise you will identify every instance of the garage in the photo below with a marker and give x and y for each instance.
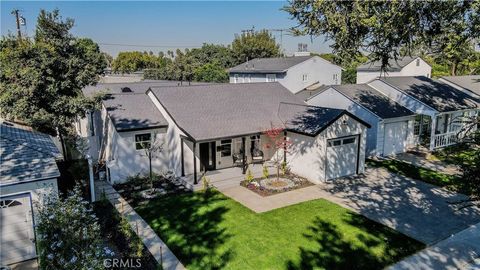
(342, 157)
(16, 229)
(395, 138)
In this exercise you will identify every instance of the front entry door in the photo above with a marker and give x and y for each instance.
(207, 156)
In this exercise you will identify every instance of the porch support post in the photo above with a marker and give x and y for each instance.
(183, 161)
(244, 158)
(432, 133)
(195, 181)
(285, 147)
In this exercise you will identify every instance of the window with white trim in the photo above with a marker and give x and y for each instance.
(235, 78)
(418, 62)
(305, 77)
(143, 141)
(271, 77)
(226, 148)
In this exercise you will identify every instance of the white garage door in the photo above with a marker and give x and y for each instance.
(342, 155)
(16, 229)
(395, 138)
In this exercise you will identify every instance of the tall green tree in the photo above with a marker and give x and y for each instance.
(259, 44)
(383, 28)
(211, 72)
(41, 78)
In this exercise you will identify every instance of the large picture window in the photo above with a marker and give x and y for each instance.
(143, 141)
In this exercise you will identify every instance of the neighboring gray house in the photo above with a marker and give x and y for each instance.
(438, 104)
(294, 73)
(28, 171)
(392, 125)
(406, 66)
(469, 84)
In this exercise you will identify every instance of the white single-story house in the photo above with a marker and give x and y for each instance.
(92, 127)
(392, 125)
(295, 73)
(211, 127)
(438, 104)
(405, 66)
(469, 84)
(28, 172)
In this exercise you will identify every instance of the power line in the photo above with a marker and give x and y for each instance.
(149, 46)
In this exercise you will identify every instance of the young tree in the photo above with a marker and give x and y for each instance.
(259, 44)
(69, 235)
(279, 143)
(41, 78)
(383, 28)
(151, 150)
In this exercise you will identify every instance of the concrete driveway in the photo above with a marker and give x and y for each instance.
(417, 209)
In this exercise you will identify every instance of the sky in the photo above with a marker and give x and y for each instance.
(161, 25)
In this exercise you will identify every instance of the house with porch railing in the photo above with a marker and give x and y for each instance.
(440, 107)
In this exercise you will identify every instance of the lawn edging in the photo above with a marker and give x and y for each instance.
(163, 255)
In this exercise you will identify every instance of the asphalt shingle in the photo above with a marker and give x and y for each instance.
(269, 65)
(26, 155)
(394, 65)
(468, 82)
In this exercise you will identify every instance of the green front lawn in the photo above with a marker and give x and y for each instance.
(415, 172)
(207, 230)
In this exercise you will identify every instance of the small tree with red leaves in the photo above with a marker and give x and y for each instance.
(277, 141)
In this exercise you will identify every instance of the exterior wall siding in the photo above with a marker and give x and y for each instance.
(307, 155)
(331, 98)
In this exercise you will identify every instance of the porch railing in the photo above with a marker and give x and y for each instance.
(445, 139)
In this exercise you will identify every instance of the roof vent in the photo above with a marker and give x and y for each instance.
(126, 90)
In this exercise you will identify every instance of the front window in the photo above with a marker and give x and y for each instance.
(143, 141)
(271, 77)
(416, 125)
(226, 148)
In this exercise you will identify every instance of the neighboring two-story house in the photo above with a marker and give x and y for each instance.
(406, 66)
(294, 73)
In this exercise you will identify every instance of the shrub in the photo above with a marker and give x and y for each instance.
(249, 176)
(205, 182)
(69, 234)
(285, 169)
(265, 171)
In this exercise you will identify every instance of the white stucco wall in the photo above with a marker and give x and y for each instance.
(316, 68)
(124, 160)
(307, 155)
(330, 98)
(423, 69)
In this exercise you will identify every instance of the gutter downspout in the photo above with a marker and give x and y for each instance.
(92, 182)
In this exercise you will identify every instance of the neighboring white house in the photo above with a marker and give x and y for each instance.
(28, 172)
(439, 105)
(469, 84)
(294, 73)
(406, 66)
(211, 127)
(392, 125)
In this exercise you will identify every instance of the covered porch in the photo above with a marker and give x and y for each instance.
(440, 130)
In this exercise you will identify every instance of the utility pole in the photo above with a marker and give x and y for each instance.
(281, 36)
(17, 17)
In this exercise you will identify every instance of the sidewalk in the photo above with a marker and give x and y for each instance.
(459, 251)
(150, 239)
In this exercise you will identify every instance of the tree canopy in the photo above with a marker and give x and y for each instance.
(259, 44)
(381, 29)
(41, 77)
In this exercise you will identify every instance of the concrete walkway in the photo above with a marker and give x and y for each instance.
(460, 251)
(435, 165)
(150, 239)
(414, 208)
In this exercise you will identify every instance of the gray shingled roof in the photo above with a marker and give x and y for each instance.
(307, 93)
(372, 100)
(310, 120)
(133, 111)
(439, 96)
(269, 65)
(26, 155)
(226, 110)
(468, 82)
(135, 87)
(393, 65)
